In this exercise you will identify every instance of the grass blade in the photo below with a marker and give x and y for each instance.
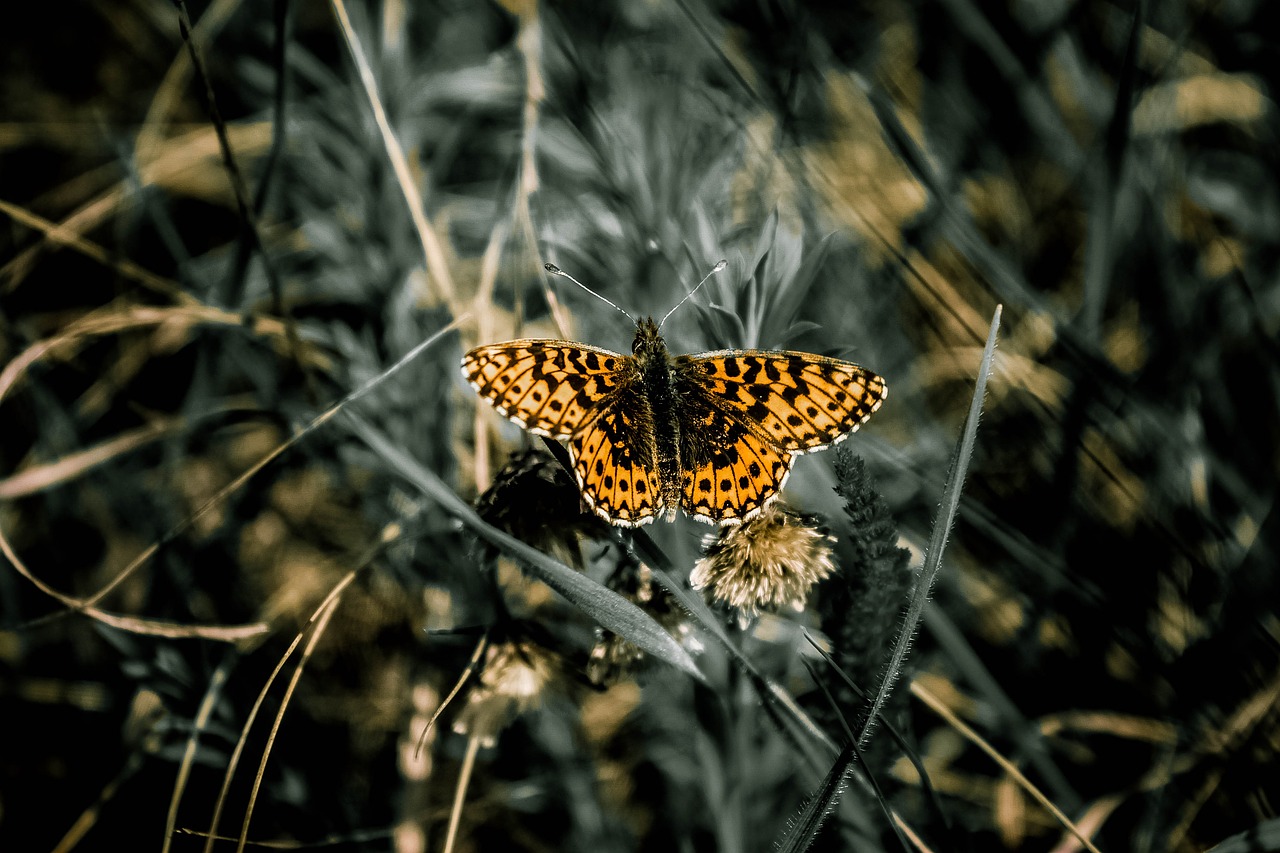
(609, 609)
(941, 529)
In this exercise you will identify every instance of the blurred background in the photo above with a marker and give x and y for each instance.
(199, 257)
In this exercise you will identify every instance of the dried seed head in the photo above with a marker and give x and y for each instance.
(765, 563)
(534, 500)
(614, 659)
(514, 678)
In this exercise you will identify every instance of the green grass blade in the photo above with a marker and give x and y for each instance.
(941, 530)
(609, 609)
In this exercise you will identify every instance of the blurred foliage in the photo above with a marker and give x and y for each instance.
(879, 176)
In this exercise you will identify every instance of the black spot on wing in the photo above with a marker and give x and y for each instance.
(612, 465)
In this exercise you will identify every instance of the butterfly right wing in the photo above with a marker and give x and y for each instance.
(730, 471)
(734, 481)
(548, 387)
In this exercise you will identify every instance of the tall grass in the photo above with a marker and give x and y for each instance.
(271, 579)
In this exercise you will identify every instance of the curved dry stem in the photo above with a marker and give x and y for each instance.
(911, 834)
(529, 43)
(64, 236)
(235, 485)
(482, 307)
(116, 321)
(326, 613)
(460, 793)
(432, 248)
(38, 478)
(95, 325)
(457, 687)
(180, 167)
(938, 707)
(326, 606)
(211, 695)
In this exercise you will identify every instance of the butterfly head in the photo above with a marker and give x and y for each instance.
(648, 343)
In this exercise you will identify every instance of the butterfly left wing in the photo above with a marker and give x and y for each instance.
(614, 461)
(548, 387)
(798, 402)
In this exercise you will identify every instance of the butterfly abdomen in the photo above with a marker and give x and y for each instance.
(654, 363)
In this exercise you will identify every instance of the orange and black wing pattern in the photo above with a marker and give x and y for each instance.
(799, 402)
(550, 388)
(615, 461)
(588, 395)
(746, 413)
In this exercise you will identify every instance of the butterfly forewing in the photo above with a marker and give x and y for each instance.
(548, 387)
(799, 402)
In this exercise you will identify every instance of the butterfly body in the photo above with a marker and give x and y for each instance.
(713, 434)
(655, 365)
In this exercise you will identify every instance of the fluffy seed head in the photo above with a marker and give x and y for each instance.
(514, 678)
(765, 563)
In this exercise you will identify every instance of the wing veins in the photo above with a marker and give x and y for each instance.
(531, 363)
(810, 373)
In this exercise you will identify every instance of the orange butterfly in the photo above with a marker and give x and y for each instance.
(712, 434)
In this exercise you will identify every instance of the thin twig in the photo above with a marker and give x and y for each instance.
(959, 725)
(460, 793)
(212, 693)
(239, 188)
(317, 631)
(432, 248)
(233, 762)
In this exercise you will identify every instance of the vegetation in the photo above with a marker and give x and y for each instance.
(274, 573)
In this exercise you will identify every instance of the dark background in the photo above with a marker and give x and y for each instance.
(880, 175)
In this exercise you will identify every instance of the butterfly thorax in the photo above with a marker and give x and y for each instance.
(655, 366)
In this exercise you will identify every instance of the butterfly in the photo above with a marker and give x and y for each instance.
(713, 434)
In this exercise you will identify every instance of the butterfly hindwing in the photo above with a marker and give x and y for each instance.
(613, 460)
(799, 401)
(735, 479)
(548, 387)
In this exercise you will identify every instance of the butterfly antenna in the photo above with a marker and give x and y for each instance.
(714, 270)
(555, 270)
